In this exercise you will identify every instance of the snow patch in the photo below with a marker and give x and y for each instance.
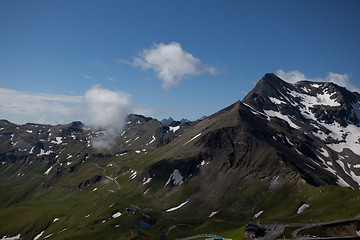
(56, 219)
(94, 189)
(320, 99)
(47, 171)
(58, 140)
(341, 182)
(348, 137)
(42, 152)
(258, 214)
(272, 113)
(29, 131)
(146, 181)
(308, 102)
(176, 176)
(325, 99)
(121, 154)
(17, 237)
(198, 135)
(300, 153)
(116, 215)
(324, 152)
(174, 129)
(302, 208)
(203, 163)
(212, 214)
(306, 90)
(351, 174)
(47, 236)
(38, 236)
(255, 112)
(152, 140)
(274, 182)
(276, 101)
(133, 175)
(176, 208)
(288, 140)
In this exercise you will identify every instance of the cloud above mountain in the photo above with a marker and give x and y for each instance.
(98, 106)
(107, 110)
(171, 63)
(105, 107)
(102, 108)
(337, 78)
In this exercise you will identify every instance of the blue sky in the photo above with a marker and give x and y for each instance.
(183, 59)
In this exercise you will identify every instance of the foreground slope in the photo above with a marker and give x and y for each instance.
(283, 146)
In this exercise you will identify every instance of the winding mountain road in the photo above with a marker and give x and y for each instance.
(276, 229)
(310, 225)
(132, 208)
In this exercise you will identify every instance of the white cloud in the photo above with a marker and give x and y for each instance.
(111, 79)
(40, 107)
(337, 78)
(341, 80)
(171, 63)
(291, 77)
(100, 107)
(107, 110)
(86, 76)
(123, 61)
(106, 107)
(143, 111)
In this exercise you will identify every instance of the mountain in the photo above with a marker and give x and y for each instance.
(284, 146)
(326, 114)
(166, 121)
(203, 117)
(170, 120)
(183, 120)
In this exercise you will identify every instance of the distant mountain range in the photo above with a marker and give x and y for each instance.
(170, 120)
(284, 145)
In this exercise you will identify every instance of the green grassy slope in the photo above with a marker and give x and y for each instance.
(28, 207)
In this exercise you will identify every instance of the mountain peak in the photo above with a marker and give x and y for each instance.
(270, 76)
(270, 85)
(272, 79)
